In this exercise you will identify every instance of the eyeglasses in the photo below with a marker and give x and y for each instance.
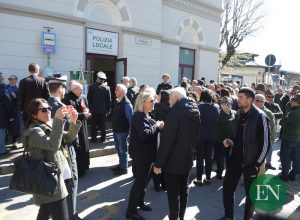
(270, 96)
(45, 109)
(11, 79)
(257, 100)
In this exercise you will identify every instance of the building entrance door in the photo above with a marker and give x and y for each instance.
(114, 68)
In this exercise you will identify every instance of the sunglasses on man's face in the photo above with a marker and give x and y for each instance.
(270, 96)
(257, 100)
(11, 79)
(45, 109)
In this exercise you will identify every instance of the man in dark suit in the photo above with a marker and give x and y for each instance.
(30, 88)
(57, 87)
(99, 99)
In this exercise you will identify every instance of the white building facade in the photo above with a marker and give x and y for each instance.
(138, 38)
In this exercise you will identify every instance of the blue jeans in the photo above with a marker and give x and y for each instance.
(290, 152)
(2, 140)
(121, 147)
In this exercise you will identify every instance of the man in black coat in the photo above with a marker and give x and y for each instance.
(175, 153)
(30, 88)
(99, 99)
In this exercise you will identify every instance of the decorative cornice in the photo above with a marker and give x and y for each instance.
(210, 49)
(196, 7)
(32, 12)
(153, 35)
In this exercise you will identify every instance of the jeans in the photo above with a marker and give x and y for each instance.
(2, 140)
(290, 152)
(58, 210)
(204, 152)
(177, 191)
(121, 147)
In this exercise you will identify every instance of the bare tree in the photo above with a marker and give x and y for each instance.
(240, 19)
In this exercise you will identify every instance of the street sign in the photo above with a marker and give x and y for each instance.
(270, 60)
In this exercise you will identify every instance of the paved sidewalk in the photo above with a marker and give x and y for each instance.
(104, 196)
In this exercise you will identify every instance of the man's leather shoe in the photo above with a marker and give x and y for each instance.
(135, 216)
(145, 207)
(269, 166)
(115, 168)
(120, 172)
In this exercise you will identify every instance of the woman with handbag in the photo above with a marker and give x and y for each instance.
(43, 139)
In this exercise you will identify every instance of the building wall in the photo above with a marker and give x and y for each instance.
(146, 15)
(143, 62)
(169, 62)
(57, 6)
(20, 43)
(156, 20)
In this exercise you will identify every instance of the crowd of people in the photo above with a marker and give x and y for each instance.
(162, 130)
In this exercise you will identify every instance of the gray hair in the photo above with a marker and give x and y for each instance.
(178, 92)
(140, 100)
(122, 87)
(75, 85)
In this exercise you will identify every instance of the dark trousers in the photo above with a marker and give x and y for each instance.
(141, 173)
(204, 152)
(158, 180)
(290, 154)
(98, 121)
(72, 185)
(58, 210)
(231, 180)
(177, 191)
(221, 154)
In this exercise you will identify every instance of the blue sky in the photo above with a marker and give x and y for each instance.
(280, 35)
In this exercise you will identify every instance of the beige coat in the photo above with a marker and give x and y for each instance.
(45, 143)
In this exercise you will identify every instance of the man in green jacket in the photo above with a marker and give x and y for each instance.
(225, 129)
(259, 101)
(290, 145)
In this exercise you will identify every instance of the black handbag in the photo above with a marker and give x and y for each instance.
(34, 176)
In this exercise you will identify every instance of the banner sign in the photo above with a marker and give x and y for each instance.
(102, 42)
(48, 42)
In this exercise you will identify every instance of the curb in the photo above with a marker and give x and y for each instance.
(9, 168)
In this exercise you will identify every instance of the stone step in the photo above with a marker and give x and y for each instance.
(7, 166)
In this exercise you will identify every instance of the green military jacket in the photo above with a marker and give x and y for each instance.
(291, 124)
(272, 119)
(44, 142)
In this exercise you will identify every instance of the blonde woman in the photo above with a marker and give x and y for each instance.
(142, 150)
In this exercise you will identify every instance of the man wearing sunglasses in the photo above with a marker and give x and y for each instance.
(260, 102)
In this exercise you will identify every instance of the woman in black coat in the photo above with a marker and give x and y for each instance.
(80, 103)
(142, 150)
(160, 112)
